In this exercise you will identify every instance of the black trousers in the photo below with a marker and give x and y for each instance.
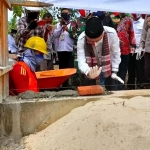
(135, 71)
(110, 84)
(66, 60)
(123, 68)
(147, 70)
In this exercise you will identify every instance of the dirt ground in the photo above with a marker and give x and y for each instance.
(108, 124)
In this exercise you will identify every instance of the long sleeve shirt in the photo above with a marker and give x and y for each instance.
(50, 47)
(138, 26)
(12, 47)
(126, 35)
(65, 43)
(114, 48)
(24, 33)
(145, 38)
(77, 27)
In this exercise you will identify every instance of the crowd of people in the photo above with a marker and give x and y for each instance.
(101, 48)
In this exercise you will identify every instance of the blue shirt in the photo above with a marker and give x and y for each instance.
(12, 47)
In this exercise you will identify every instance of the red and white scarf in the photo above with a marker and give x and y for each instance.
(104, 62)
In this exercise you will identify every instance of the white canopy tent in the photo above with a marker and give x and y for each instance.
(128, 6)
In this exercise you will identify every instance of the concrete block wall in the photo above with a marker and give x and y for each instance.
(19, 118)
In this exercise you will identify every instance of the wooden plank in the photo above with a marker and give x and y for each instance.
(4, 90)
(5, 52)
(29, 3)
(5, 70)
(8, 4)
(1, 78)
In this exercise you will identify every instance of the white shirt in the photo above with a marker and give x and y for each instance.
(12, 47)
(114, 48)
(65, 43)
(138, 26)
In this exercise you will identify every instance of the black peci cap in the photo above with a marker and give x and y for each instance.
(94, 27)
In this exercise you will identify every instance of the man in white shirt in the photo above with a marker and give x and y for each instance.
(12, 47)
(98, 51)
(136, 65)
(65, 43)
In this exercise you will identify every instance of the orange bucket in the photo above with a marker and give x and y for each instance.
(53, 79)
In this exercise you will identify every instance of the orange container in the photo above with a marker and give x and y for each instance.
(53, 79)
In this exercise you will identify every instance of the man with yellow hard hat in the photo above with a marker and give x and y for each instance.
(22, 76)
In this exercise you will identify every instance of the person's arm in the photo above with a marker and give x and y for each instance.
(12, 47)
(49, 43)
(111, 22)
(115, 52)
(132, 36)
(58, 30)
(73, 30)
(22, 29)
(83, 66)
(42, 32)
(144, 33)
(48, 31)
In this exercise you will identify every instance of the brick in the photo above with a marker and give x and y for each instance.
(90, 90)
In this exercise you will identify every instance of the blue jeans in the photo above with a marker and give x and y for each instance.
(109, 83)
(102, 79)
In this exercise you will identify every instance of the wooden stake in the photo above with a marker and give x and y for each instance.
(29, 3)
(4, 88)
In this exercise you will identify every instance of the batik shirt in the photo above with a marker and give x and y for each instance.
(126, 35)
(77, 27)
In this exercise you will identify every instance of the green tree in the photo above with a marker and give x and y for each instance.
(17, 11)
(12, 24)
(55, 11)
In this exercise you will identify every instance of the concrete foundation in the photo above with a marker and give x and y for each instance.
(23, 117)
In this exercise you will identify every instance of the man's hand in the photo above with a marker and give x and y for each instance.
(132, 50)
(94, 72)
(49, 28)
(140, 53)
(115, 77)
(65, 28)
(54, 55)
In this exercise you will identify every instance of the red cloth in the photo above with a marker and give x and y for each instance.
(126, 35)
(21, 79)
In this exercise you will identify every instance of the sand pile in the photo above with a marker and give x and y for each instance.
(110, 124)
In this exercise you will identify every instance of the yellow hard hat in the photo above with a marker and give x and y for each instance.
(36, 43)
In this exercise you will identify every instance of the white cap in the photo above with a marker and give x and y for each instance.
(33, 8)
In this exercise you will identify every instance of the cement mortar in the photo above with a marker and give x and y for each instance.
(52, 94)
(47, 94)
